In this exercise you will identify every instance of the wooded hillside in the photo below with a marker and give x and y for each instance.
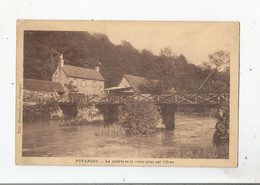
(42, 48)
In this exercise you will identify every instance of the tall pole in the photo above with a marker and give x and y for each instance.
(211, 73)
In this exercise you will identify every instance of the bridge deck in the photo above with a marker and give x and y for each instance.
(183, 100)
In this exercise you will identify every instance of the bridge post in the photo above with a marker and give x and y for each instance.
(110, 112)
(168, 114)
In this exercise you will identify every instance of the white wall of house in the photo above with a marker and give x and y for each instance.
(60, 76)
(124, 83)
(88, 87)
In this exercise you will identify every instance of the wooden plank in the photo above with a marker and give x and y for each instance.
(184, 99)
(210, 99)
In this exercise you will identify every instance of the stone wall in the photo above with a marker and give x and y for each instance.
(38, 96)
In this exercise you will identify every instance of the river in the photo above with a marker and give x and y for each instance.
(49, 139)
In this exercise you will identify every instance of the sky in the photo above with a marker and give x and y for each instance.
(195, 40)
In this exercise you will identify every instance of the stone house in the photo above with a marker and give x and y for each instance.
(87, 81)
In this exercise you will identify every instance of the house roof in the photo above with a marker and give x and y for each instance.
(117, 88)
(135, 81)
(42, 85)
(80, 72)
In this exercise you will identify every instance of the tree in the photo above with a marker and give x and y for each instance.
(152, 87)
(205, 66)
(220, 59)
(180, 60)
(83, 49)
(100, 36)
(127, 45)
(167, 53)
(71, 88)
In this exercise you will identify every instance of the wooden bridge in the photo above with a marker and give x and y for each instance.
(109, 105)
(189, 100)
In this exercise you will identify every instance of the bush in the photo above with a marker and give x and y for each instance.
(221, 135)
(41, 111)
(52, 105)
(38, 111)
(77, 98)
(139, 117)
(113, 129)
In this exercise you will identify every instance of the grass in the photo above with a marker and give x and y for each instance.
(77, 121)
(99, 127)
(196, 153)
(111, 129)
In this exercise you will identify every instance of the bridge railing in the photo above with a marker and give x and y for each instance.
(115, 99)
(161, 99)
(193, 98)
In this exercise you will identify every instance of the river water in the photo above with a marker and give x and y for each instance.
(49, 139)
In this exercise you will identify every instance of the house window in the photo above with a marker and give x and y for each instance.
(83, 83)
(94, 84)
(74, 82)
(100, 86)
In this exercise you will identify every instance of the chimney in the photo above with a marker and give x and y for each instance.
(61, 61)
(97, 68)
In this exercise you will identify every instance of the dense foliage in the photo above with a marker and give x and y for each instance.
(153, 87)
(221, 135)
(42, 50)
(52, 105)
(139, 117)
(35, 112)
(42, 110)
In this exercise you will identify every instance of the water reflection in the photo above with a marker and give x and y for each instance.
(49, 139)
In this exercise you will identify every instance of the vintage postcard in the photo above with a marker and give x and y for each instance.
(127, 93)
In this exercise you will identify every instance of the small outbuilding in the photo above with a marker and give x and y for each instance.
(129, 84)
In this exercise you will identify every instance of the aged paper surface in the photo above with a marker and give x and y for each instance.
(131, 93)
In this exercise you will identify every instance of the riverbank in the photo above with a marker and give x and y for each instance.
(211, 152)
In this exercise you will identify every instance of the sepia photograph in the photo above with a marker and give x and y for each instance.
(127, 93)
